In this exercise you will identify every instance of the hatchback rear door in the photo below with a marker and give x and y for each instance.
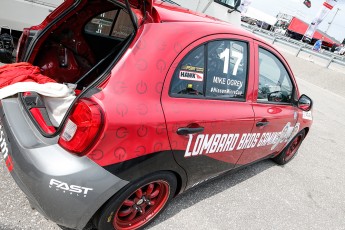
(33, 37)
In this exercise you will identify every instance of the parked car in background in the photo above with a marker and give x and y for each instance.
(165, 99)
(6, 46)
(19, 14)
(340, 50)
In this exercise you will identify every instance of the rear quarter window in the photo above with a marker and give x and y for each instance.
(115, 23)
(188, 79)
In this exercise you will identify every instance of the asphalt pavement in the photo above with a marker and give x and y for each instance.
(307, 193)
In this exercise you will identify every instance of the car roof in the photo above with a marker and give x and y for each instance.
(167, 12)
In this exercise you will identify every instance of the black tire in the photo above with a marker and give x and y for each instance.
(114, 214)
(290, 150)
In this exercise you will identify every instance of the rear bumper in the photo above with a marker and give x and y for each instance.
(65, 188)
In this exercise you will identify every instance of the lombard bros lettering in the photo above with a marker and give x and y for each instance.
(203, 144)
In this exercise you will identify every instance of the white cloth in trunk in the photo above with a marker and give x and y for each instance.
(57, 97)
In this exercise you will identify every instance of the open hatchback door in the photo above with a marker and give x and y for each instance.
(78, 43)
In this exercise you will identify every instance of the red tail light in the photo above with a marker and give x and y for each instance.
(82, 127)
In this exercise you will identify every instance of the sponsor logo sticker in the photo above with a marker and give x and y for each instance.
(4, 150)
(191, 76)
(307, 115)
(71, 189)
(193, 68)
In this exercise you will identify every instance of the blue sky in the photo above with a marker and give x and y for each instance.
(296, 7)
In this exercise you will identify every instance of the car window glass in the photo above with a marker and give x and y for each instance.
(226, 69)
(123, 26)
(275, 84)
(188, 78)
(115, 23)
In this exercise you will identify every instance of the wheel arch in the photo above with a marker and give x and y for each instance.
(179, 188)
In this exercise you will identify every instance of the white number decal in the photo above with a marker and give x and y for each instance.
(225, 56)
(239, 57)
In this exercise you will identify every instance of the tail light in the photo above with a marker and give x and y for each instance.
(21, 44)
(82, 127)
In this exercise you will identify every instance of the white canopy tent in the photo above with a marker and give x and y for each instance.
(259, 15)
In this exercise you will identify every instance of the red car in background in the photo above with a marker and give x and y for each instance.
(167, 99)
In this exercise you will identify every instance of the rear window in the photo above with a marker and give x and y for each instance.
(115, 23)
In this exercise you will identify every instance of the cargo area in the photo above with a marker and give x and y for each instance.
(77, 49)
(84, 44)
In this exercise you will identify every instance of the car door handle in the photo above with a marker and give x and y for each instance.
(186, 130)
(262, 123)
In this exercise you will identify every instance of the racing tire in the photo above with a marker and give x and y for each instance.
(290, 150)
(139, 203)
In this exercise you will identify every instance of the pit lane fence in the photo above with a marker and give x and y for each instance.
(297, 45)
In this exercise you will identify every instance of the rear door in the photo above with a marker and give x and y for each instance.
(207, 100)
(273, 104)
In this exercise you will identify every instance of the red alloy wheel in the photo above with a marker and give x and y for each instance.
(140, 207)
(291, 151)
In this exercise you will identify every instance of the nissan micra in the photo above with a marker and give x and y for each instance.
(165, 99)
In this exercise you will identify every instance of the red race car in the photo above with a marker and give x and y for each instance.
(165, 99)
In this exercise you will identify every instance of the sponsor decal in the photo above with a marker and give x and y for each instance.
(193, 68)
(307, 115)
(4, 150)
(191, 76)
(204, 144)
(71, 189)
(323, 12)
(226, 91)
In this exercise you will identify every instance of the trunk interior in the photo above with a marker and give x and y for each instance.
(82, 41)
(78, 51)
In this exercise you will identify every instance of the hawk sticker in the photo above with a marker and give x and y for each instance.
(191, 76)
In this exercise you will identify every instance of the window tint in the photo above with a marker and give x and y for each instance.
(226, 69)
(275, 84)
(123, 26)
(115, 23)
(188, 78)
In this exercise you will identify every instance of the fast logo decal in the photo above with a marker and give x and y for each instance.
(4, 150)
(191, 76)
(217, 143)
(72, 189)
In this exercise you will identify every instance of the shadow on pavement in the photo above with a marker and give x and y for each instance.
(211, 188)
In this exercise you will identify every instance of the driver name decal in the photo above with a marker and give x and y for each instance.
(229, 82)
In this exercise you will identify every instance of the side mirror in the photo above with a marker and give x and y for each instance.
(304, 103)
